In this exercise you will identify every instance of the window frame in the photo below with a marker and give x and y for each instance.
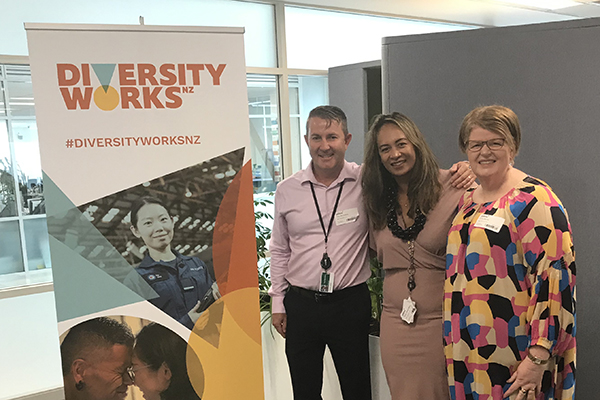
(281, 73)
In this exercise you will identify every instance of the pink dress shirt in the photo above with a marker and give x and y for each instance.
(298, 243)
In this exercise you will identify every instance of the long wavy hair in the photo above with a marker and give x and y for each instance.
(378, 183)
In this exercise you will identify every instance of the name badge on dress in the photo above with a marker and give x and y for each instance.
(490, 222)
(346, 216)
(409, 309)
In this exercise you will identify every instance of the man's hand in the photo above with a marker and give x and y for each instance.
(279, 321)
(462, 176)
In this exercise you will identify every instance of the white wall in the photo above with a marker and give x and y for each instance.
(29, 346)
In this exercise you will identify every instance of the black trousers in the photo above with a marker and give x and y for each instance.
(342, 324)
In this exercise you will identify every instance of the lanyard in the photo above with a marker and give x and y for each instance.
(327, 264)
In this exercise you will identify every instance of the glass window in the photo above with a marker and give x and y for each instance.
(2, 103)
(36, 238)
(7, 181)
(24, 247)
(20, 91)
(351, 38)
(11, 259)
(306, 93)
(263, 108)
(28, 167)
(257, 19)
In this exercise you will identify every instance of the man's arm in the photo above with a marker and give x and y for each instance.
(280, 256)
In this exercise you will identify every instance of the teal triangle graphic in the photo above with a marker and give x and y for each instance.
(80, 288)
(68, 225)
(104, 72)
(59, 203)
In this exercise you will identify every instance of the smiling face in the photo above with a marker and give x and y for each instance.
(327, 145)
(105, 373)
(486, 163)
(154, 226)
(152, 383)
(397, 153)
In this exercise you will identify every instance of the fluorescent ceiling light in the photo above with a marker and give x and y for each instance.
(544, 4)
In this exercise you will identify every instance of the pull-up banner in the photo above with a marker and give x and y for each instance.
(144, 141)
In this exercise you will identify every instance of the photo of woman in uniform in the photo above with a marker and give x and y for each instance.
(183, 283)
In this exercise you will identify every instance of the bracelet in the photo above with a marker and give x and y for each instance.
(535, 360)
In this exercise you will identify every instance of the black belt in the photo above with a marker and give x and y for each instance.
(323, 298)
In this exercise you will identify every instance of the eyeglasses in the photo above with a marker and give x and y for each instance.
(128, 373)
(131, 371)
(492, 144)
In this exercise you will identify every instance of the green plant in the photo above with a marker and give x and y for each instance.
(375, 284)
(263, 234)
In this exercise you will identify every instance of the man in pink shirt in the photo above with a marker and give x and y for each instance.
(319, 264)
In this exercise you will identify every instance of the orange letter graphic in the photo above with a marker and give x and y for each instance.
(146, 72)
(169, 77)
(76, 98)
(172, 94)
(151, 97)
(216, 74)
(181, 72)
(85, 74)
(130, 95)
(126, 75)
(195, 68)
(61, 72)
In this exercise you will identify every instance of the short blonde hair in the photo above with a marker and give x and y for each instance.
(497, 119)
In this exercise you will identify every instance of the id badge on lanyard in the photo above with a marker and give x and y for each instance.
(327, 279)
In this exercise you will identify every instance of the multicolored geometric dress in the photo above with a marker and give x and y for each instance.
(510, 284)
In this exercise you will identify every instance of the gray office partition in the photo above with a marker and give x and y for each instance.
(550, 75)
(356, 89)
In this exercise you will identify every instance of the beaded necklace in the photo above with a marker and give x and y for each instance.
(408, 235)
(411, 232)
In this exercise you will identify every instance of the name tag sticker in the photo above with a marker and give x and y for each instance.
(490, 222)
(346, 216)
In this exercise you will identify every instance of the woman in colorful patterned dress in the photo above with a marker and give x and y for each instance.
(410, 203)
(509, 303)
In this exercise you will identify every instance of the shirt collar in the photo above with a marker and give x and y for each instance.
(308, 175)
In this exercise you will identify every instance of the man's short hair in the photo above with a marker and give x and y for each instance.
(329, 113)
(91, 335)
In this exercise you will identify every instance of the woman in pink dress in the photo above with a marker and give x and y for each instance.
(410, 203)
